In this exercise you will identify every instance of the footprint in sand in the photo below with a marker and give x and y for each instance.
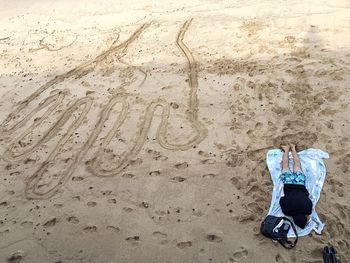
(184, 244)
(50, 223)
(154, 173)
(178, 179)
(114, 229)
(181, 165)
(90, 229)
(210, 175)
(4, 232)
(240, 254)
(77, 178)
(128, 209)
(91, 204)
(280, 259)
(106, 192)
(10, 192)
(16, 257)
(73, 220)
(133, 240)
(208, 161)
(128, 175)
(160, 236)
(76, 198)
(112, 201)
(236, 182)
(3, 204)
(214, 238)
(27, 224)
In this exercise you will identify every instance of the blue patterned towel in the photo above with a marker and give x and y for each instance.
(315, 171)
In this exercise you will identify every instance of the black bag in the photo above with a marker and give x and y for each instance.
(277, 229)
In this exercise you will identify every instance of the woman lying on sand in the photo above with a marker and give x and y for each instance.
(295, 202)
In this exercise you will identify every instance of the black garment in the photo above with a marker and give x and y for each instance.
(296, 203)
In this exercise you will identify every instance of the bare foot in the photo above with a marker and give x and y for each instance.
(293, 146)
(285, 148)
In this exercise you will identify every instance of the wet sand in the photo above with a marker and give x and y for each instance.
(137, 132)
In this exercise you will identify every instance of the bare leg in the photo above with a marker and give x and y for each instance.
(285, 159)
(297, 164)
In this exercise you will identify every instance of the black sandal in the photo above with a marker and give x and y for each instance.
(329, 255)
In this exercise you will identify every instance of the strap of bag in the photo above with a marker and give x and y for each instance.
(285, 242)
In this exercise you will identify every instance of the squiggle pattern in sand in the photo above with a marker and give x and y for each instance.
(33, 189)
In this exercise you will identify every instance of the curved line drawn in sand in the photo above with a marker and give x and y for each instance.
(33, 188)
(192, 116)
(50, 47)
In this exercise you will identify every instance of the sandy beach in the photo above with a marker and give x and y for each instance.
(137, 131)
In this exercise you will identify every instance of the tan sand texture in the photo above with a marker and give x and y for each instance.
(136, 131)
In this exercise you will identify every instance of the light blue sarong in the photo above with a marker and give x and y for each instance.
(315, 172)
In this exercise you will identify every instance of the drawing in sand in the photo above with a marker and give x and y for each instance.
(13, 154)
